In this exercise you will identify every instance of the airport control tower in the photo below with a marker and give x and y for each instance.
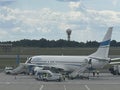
(68, 31)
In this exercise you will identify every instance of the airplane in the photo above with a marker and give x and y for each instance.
(76, 64)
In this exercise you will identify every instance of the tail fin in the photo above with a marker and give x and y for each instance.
(103, 50)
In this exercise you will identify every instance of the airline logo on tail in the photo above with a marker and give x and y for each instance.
(107, 38)
(105, 43)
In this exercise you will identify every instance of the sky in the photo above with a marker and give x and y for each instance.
(49, 19)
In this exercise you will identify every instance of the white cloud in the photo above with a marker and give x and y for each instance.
(68, 0)
(73, 5)
(52, 24)
(3, 34)
(77, 6)
(114, 2)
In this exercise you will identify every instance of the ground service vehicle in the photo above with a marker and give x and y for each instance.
(8, 70)
(46, 75)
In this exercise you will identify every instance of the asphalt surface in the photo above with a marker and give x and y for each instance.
(105, 81)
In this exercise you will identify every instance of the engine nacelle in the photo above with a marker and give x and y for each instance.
(96, 64)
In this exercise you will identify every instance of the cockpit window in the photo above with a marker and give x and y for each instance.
(36, 59)
(33, 60)
(29, 60)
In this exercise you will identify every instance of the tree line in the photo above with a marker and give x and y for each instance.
(56, 43)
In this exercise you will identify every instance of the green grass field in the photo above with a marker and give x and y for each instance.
(55, 51)
(6, 61)
(48, 51)
(10, 62)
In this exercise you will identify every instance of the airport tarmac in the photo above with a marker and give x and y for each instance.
(106, 81)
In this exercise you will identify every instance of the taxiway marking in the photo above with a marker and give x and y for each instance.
(87, 87)
(41, 87)
(65, 87)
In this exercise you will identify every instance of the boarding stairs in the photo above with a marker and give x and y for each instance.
(19, 69)
(80, 70)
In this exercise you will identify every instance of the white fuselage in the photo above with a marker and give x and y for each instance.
(68, 63)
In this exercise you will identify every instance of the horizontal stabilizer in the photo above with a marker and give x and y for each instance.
(114, 63)
(115, 59)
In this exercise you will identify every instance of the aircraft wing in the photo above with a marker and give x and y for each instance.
(55, 66)
(115, 61)
(60, 67)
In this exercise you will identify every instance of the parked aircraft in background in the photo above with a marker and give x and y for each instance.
(76, 64)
